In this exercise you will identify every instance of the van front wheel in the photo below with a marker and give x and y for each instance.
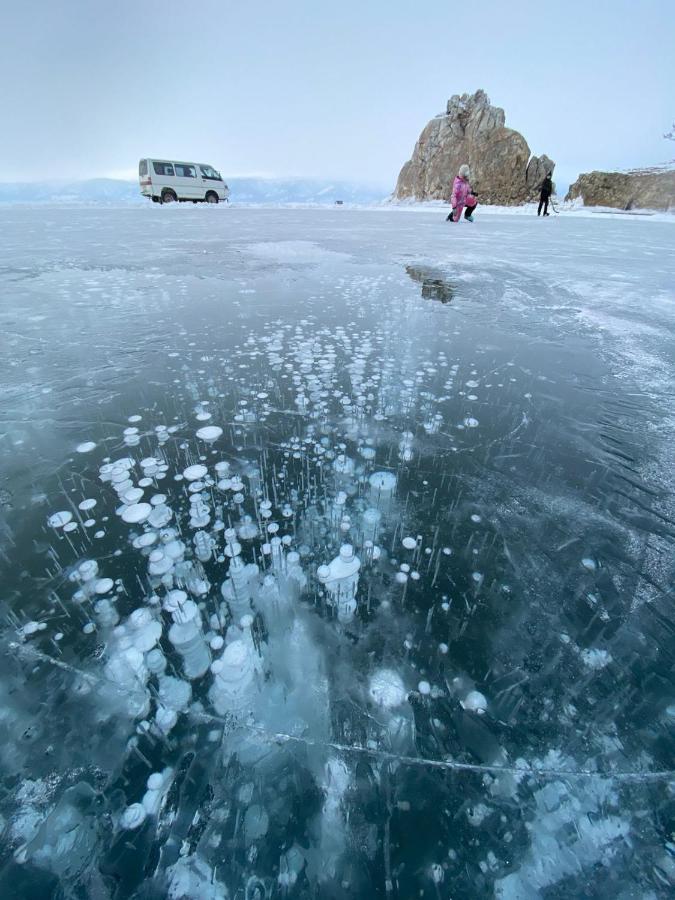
(168, 196)
(212, 197)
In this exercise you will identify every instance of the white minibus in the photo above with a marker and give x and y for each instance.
(167, 181)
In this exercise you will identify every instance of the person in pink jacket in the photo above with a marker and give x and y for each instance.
(462, 196)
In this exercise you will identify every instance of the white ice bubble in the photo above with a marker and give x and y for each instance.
(386, 688)
(209, 433)
(384, 482)
(194, 473)
(59, 519)
(137, 512)
(409, 543)
(104, 585)
(85, 447)
(475, 702)
(133, 816)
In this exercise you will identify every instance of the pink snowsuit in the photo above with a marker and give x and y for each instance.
(461, 197)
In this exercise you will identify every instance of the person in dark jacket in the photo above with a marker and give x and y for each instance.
(546, 191)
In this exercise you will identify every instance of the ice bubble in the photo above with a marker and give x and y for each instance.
(209, 433)
(156, 662)
(476, 814)
(595, 659)
(386, 689)
(70, 526)
(384, 482)
(194, 473)
(59, 519)
(165, 719)
(470, 422)
(85, 447)
(104, 585)
(155, 781)
(424, 688)
(589, 564)
(437, 873)
(86, 504)
(87, 569)
(409, 543)
(475, 702)
(133, 495)
(133, 816)
(145, 540)
(160, 516)
(159, 563)
(137, 512)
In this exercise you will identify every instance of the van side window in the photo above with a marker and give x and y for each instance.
(208, 172)
(163, 168)
(143, 167)
(185, 171)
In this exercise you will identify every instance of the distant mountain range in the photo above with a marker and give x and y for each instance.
(258, 191)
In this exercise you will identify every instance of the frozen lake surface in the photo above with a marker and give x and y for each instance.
(337, 555)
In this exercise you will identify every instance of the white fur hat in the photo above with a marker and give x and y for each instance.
(464, 171)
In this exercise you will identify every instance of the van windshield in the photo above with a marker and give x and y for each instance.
(210, 172)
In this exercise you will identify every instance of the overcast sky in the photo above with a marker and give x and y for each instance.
(341, 89)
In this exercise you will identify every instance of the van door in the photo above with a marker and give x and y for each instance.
(163, 177)
(189, 186)
(211, 181)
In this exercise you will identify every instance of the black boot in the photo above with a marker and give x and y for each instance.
(469, 211)
(449, 218)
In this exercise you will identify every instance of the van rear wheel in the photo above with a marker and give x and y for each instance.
(168, 196)
(212, 197)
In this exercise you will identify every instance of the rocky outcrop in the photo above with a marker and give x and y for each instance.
(641, 189)
(472, 131)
